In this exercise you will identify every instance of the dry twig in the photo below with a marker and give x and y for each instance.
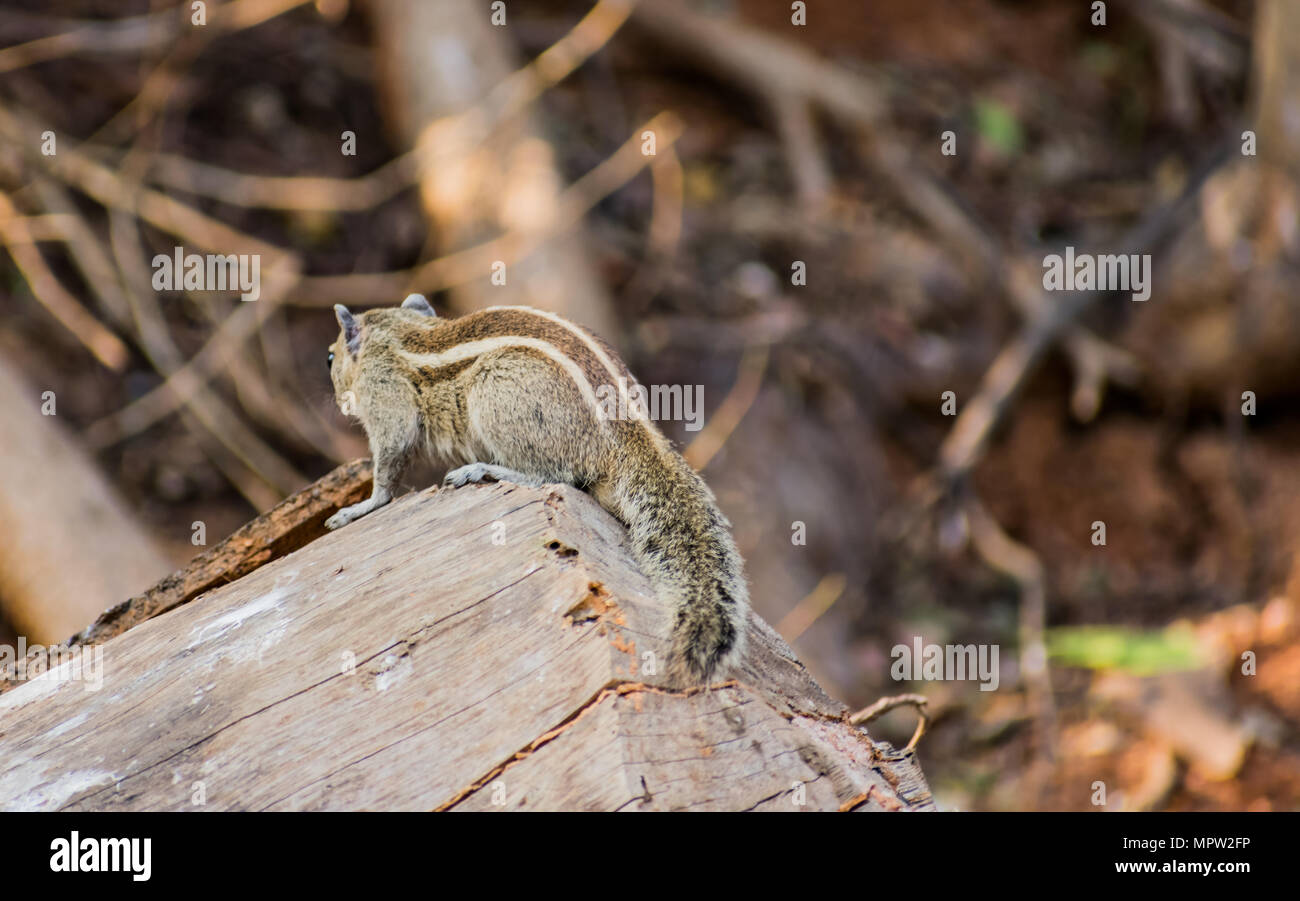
(792, 80)
(885, 705)
(472, 262)
(46, 288)
(749, 379)
(137, 33)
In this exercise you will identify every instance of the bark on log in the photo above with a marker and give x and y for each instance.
(492, 647)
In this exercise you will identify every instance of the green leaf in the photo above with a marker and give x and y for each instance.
(997, 125)
(1142, 653)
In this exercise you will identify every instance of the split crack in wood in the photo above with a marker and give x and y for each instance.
(615, 689)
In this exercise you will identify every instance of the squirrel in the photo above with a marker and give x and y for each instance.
(510, 394)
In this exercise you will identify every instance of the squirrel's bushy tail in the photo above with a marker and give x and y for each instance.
(684, 544)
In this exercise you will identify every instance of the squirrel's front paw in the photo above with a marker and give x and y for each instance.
(356, 511)
(341, 518)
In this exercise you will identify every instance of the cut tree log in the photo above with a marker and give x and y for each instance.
(492, 647)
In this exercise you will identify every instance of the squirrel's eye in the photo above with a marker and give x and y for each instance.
(330, 363)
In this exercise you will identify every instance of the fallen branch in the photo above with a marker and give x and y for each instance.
(1017, 359)
(790, 80)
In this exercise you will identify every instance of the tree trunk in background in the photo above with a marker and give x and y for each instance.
(438, 58)
(69, 548)
(1276, 87)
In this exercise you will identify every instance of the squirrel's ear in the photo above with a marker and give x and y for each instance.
(351, 328)
(417, 303)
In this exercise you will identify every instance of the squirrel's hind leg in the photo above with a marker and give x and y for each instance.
(489, 472)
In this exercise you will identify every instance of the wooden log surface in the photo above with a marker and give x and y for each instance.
(492, 647)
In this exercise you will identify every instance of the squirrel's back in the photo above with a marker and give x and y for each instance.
(524, 391)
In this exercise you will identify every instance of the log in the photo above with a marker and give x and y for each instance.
(492, 647)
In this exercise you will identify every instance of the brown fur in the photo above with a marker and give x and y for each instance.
(517, 412)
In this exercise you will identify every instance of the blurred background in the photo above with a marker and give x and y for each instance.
(828, 215)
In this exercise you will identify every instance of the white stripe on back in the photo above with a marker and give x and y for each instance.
(616, 379)
(471, 349)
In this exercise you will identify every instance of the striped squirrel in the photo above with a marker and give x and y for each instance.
(509, 394)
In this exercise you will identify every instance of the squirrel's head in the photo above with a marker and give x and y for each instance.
(343, 353)
(343, 359)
